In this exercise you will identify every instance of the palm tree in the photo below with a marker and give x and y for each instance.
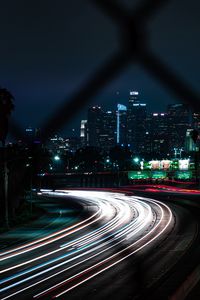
(6, 107)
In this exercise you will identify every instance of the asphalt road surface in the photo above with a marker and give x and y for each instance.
(121, 247)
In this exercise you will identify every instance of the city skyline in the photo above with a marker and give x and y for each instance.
(133, 125)
(106, 106)
(43, 62)
(113, 108)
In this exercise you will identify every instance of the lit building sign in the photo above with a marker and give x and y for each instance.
(159, 174)
(184, 175)
(29, 130)
(183, 164)
(136, 175)
(160, 164)
(165, 164)
(133, 93)
(139, 175)
(154, 164)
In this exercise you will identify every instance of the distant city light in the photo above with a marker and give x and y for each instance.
(133, 93)
(56, 158)
(136, 159)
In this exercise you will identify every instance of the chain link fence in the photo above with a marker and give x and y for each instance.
(134, 48)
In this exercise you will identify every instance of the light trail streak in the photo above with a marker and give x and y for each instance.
(108, 259)
(124, 230)
(49, 253)
(70, 244)
(45, 238)
(119, 228)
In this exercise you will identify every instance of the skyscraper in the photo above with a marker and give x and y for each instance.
(30, 135)
(107, 134)
(95, 116)
(178, 123)
(196, 120)
(121, 124)
(101, 128)
(196, 125)
(84, 133)
(157, 130)
(189, 143)
(136, 118)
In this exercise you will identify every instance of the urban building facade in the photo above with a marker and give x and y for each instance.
(107, 134)
(136, 123)
(121, 124)
(84, 133)
(95, 116)
(153, 134)
(157, 134)
(178, 123)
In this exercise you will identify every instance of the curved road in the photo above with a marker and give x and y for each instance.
(116, 228)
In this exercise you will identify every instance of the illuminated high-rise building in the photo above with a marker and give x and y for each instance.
(101, 128)
(189, 143)
(136, 118)
(121, 124)
(196, 120)
(84, 133)
(157, 142)
(95, 116)
(178, 123)
(196, 125)
(107, 134)
(30, 135)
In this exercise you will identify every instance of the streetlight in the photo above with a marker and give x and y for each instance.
(136, 160)
(56, 157)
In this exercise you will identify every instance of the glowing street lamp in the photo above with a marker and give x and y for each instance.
(136, 160)
(56, 158)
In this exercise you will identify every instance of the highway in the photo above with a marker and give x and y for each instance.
(75, 262)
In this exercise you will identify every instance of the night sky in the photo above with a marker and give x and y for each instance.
(49, 49)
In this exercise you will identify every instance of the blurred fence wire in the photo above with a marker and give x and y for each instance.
(134, 48)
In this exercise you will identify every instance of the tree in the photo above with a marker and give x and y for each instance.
(6, 107)
(88, 159)
(121, 157)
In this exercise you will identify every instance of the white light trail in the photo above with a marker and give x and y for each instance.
(126, 220)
